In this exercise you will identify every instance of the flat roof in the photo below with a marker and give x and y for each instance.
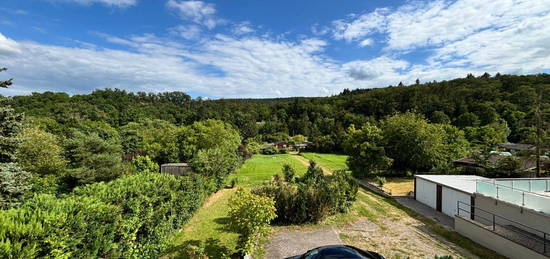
(175, 164)
(463, 183)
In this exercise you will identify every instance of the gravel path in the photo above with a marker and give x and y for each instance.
(289, 243)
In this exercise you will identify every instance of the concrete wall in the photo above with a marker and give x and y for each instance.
(486, 238)
(449, 200)
(426, 192)
(525, 216)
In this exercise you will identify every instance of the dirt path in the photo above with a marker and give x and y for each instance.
(374, 223)
(390, 231)
(305, 162)
(287, 243)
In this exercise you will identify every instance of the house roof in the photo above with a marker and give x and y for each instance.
(516, 146)
(175, 164)
(463, 183)
(526, 163)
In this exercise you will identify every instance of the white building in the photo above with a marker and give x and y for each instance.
(510, 216)
(443, 192)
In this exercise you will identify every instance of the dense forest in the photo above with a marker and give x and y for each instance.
(93, 159)
(465, 102)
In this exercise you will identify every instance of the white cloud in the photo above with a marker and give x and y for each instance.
(189, 32)
(361, 26)
(243, 28)
(382, 69)
(365, 42)
(507, 36)
(252, 67)
(8, 46)
(460, 37)
(196, 11)
(116, 3)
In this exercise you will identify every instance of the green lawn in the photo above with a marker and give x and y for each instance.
(207, 227)
(261, 168)
(329, 161)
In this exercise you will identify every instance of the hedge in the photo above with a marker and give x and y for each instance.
(129, 217)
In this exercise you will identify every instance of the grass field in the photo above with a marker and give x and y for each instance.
(329, 161)
(207, 227)
(261, 168)
(374, 222)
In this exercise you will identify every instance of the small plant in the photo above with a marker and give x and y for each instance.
(277, 178)
(289, 173)
(234, 181)
(250, 215)
(269, 151)
(197, 252)
(381, 181)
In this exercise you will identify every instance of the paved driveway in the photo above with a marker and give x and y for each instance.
(295, 242)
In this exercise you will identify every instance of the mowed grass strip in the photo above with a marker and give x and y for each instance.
(260, 169)
(207, 228)
(329, 161)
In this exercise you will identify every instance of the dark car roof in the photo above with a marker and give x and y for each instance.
(342, 251)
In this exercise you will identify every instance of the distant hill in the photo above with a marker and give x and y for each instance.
(470, 101)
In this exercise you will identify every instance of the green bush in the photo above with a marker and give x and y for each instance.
(283, 151)
(153, 205)
(128, 217)
(250, 215)
(269, 151)
(289, 173)
(14, 185)
(45, 226)
(313, 197)
(381, 181)
(144, 164)
(216, 164)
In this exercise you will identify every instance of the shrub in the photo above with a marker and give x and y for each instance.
(269, 151)
(92, 159)
(381, 181)
(216, 164)
(14, 185)
(40, 152)
(153, 205)
(289, 173)
(313, 197)
(144, 164)
(250, 215)
(234, 181)
(59, 228)
(129, 217)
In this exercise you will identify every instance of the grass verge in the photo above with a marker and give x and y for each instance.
(329, 161)
(260, 168)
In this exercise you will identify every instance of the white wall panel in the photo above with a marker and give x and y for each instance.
(425, 192)
(450, 198)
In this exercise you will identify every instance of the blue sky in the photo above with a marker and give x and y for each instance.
(244, 48)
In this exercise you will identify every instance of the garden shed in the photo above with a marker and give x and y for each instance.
(175, 168)
(442, 192)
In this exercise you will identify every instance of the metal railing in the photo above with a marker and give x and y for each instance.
(530, 183)
(512, 194)
(493, 221)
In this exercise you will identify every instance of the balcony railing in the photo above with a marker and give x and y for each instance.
(523, 192)
(529, 237)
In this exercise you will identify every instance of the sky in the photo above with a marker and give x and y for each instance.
(259, 49)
